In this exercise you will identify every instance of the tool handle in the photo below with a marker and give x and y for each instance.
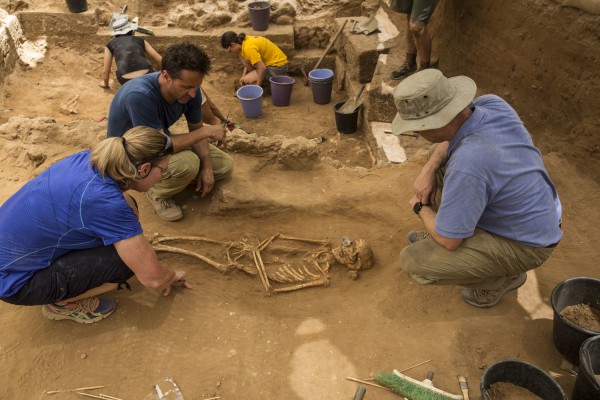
(145, 31)
(362, 88)
(330, 44)
(360, 393)
(462, 383)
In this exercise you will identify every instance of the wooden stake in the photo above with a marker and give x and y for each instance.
(367, 383)
(105, 396)
(90, 395)
(75, 390)
(416, 365)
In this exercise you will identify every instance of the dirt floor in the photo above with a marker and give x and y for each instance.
(226, 337)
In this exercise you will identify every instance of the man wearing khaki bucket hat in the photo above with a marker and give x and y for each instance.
(489, 209)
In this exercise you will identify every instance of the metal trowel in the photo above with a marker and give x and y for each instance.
(352, 104)
(367, 27)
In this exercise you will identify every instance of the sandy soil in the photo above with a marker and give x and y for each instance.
(226, 337)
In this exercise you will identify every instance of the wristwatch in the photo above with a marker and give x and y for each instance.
(417, 207)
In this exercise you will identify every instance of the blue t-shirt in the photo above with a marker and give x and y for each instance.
(495, 180)
(67, 207)
(140, 103)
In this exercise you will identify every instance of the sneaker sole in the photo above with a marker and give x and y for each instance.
(59, 317)
(514, 286)
(402, 77)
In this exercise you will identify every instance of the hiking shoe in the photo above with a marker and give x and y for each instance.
(84, 311)
(488, 298)
(405, 70)
(166, 208)
(415, 236)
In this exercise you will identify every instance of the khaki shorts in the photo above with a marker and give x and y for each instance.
(274, 71)
(420, 10)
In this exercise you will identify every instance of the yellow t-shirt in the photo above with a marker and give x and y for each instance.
(258, 48)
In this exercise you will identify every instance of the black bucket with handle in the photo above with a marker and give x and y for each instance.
(587, 385)
(77, 6)
(522, 374)
(567, 335)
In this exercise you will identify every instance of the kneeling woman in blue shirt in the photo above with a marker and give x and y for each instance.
(72, 233)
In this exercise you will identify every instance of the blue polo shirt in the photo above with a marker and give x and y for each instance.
(496, 180)
(67, 207)
(139, 102)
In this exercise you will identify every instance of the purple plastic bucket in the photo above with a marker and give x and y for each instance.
(281, 90)
(259, 15)
(319, 75)
(251, 99)
(321, 91)
(321, 83)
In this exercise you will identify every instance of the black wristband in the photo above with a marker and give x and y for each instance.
(418, 206)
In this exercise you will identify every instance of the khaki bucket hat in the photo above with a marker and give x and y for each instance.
(429, 100)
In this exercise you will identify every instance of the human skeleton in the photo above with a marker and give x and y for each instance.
(307, 265)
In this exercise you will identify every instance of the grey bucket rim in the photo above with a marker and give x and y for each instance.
(282, 83)
(312, 78)
(483, 389)
(567, 321)
(237, 93)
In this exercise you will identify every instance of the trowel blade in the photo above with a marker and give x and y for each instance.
(367, 27)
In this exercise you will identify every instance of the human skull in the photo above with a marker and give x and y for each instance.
(355, 254)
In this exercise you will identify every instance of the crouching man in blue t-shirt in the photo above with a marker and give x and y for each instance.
(158, 100)
(490, 211)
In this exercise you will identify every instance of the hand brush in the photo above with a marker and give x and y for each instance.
(462, 383)
(412, 388)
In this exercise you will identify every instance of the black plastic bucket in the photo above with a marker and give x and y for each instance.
(523, 374)
(587, 386)
(77, 6)
(346, 123)
(568, 336)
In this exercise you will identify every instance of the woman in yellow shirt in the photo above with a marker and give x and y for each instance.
(260, 57)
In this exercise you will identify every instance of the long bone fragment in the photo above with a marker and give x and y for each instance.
(319, 282)
(221, 267)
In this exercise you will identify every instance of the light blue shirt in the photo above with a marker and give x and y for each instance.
(495, 180)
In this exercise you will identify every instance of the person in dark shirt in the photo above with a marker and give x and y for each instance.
(159, 100)
(130, 53)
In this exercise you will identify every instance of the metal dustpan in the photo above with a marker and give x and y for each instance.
(367, 27)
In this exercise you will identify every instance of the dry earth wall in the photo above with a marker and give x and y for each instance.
(542, 57)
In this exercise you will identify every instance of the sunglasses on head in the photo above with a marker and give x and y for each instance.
(168, 146)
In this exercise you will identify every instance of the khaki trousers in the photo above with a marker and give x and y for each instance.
(483, 261)
(183, 169)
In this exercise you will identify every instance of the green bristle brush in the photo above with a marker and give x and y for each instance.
(412, 388)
